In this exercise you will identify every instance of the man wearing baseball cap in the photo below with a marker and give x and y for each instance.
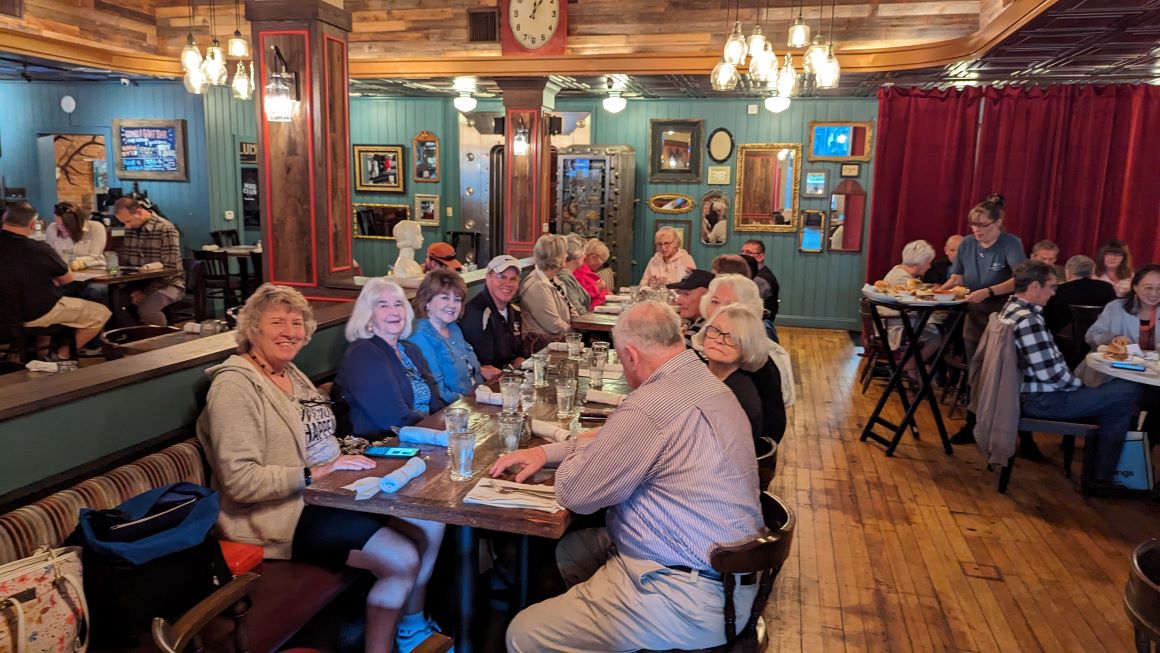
(441, 255)
(690, 290)
(491, 321)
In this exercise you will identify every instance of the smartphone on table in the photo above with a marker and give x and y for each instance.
(392, 452)
(1134, 367)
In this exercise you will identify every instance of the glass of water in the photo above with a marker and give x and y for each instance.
(596, 370)
(540, 369)
(600, 348)
(462, 445)
(455, 421)
(509, 427)
(565, 398)
(509, 389)
(575, 344)
(112, 263)
(527, 397)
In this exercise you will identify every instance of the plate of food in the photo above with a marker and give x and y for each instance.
(914, 292)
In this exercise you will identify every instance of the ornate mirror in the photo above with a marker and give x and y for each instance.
(670, 203)
(812, 232)
(768, 179)
(675, 151)
(426, 149)
(378, 220)
(847, 215)
(720, 145)
(714, 218)
(840, 141)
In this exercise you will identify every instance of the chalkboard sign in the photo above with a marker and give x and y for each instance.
(150, 149)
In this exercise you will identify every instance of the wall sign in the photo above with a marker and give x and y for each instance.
(149, 149)
(718, 175)
(247, 152)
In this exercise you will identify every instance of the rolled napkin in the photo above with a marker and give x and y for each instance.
(609, 309)
(617, 298)
(86, 262)
(41, 366)
(608, 374)
(149, 267)
(557, 346)
(515, 495)
(550, 431)
(602, 397)
(485, 395)
(210, 248)
(364, 488)
(420, 435)
(191, 327)
(395, 481)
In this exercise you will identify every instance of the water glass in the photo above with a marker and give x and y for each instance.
(112, 263)
(509, 426)
(509, 389)
(565, 398)
(596, 371)
(67, 366)
(569, 369)
(462, 446)
(455, 420)
(600, 348)
(540, 369)
(527, 397)
(575, 344)
(211, 328)
(634, 293)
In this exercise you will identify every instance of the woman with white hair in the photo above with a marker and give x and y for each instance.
(268, 433)
(671, 262)
(917, 256)
(578, 299)
(383, 380)
(594, 256)
(733, 344)
(547, 313)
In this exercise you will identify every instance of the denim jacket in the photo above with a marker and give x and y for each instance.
(452, 360)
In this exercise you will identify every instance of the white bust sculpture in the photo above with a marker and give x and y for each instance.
(409, 237)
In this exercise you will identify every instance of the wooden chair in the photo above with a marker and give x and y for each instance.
(176, 637)
(215, 281)
(226, 238)
(113, 341)
(1142, 596)
(874, 350)
(959, 386)
(1070, 431)
(1082, 319)
(766, 460)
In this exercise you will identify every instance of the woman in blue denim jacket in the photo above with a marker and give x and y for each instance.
(439, 302)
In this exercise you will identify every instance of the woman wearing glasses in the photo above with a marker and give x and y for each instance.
(383, 380)
(268, 433)
(734, 346)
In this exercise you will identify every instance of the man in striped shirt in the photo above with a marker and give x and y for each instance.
(676, 468)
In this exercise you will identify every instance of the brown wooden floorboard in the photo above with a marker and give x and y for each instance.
(919, 552)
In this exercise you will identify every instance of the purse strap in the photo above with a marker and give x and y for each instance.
(18, 608)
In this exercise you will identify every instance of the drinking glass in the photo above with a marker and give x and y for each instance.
(575, 344)
(565, 397)
(600, 348)
(634, 293)
(462, 446)
(527, 397)
(455, 421)
(509, 389)
(509, 427)
(569, 369)
(210, 327)
(540, 369)
(67, 366)
(596, 371)
(112, 263)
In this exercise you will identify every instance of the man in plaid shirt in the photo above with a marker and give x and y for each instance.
(150, 238)
(1049, 389)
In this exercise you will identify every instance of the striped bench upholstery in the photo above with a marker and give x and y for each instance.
(53, 518)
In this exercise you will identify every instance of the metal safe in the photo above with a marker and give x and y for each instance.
(595, 194)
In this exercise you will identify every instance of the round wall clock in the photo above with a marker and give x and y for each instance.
(533, 23)
(68, 104)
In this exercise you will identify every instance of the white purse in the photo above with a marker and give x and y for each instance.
(42, 603)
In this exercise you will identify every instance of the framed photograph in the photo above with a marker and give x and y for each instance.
(149, 149)
(683, 227)
(427, 210)
(840, 141)
(380, 169)
(851, 169)
(378, 220)
(675, 151)
(718, 175)
(425, 148)
(815, 183)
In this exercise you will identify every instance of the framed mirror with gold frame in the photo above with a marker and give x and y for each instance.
(377, 221)
(768, 185)
(425, 148)
(840, 141)
(670, 203)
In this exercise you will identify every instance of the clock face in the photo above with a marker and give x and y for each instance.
(533, 22)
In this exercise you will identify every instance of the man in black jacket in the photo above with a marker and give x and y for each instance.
(940, 269)
(756, 249)
(491, 321)
(1080, 290)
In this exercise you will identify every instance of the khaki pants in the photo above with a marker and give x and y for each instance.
(75, 313)
(626, 605)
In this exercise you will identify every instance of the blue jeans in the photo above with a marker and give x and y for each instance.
(1112, 405)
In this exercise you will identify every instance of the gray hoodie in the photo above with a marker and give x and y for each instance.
(256, 445)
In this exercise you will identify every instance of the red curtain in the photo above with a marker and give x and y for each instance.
(924, 159)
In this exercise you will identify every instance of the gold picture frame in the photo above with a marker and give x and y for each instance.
(425, 150)
(671, 203)
(859, 140)
(753, 211)
(379, 169)
(377, 221)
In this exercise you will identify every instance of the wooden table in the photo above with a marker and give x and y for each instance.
(595, 322)
(114, 280)
(242, 254)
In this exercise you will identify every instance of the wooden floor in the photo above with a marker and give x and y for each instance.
(919, 552)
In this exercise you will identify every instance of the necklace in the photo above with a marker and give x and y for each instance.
(265, 368)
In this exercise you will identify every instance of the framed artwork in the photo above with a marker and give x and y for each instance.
(840, 141)
(149, 149)
(426, 151)
(675, 151)
(714, 218)
(380, 169)
(851, 170)
(768, 185)
(670, 203)
(718, 175)
(378, 220)
(815, 183)
(427, 210)
(683, 227)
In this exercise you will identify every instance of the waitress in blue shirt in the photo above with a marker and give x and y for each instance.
(986, 265)
(439, 302)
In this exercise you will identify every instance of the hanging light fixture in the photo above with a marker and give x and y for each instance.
(190, 54)
(242, 88)
(762, 60)
(281, 94)
(756, 43)
(195, 81)
(815, 55)
(735, 48)
(237, 47)
(799, 32)
(828, 71)
(465, 103)
(776, 103)
(724, 77)
(615, 102)
(520, 143)
(214, 64)
(787, 79)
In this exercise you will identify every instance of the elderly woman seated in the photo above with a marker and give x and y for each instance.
(384, 380)
(595, 255)
(671, 262)
(916, 259)
(268, 433)
(439, 302)
(578, 299)
(733, 344)
(547, 313)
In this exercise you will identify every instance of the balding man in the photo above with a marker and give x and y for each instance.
(940, 269)
(675, 466)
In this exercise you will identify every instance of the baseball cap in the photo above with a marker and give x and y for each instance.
(694, 279)
(503, 262)
(445, 254)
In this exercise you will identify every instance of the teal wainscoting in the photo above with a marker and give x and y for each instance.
(33, 109)
(228, 123)
(819, 290)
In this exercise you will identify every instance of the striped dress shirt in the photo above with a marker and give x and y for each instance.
(674, 464)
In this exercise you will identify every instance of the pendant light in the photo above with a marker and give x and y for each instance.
(799, 32)
(280, 100)
(776, 103)
(190, 54)
(237, 47)
(757, 41)
(465, 103)
(214, 65)
(195, 81)
(243, 88)
(735, 48)
(815, 55)
(615, 102)
(829, 72)
(724, 76)
(762, 60)
(787, 79)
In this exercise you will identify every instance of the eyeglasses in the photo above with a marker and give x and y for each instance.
(717, 334)
(981, 225)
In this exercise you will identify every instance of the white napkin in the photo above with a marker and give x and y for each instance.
(191, 327)
(210, 248)
(550, 431)
(602, 397)
(617, 298)
(608, 374)
(557, 346)
(364, 488)
(420, 435)
(608, 309)
(485, 395)
(369, 486)
(41, 366)
(485, 493)
(155, 265)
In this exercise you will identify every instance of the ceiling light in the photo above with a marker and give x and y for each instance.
(241, 84)
(735, 48)
(214, 65)
(799, 32)
(614, 103)
(190, 54)
(465, 103)
(763, 64)
(237, 47)
(815, 56)
(756, 43)
(777, 104)
(195, 81)
(829, 72)
(724, 77)
(787, 84)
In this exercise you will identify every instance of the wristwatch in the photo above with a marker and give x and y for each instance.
(990, 291)
(308, 475)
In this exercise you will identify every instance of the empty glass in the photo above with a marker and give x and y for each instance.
(565, 398)
(212, 327)
(509, 427)
(509, 389)
(540, 369)
(67, 366)
(527, 397)
(112, 263)
(575, 344)
(462, 449)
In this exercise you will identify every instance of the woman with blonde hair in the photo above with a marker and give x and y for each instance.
(578, 298)
(595, 254)
(547, 313)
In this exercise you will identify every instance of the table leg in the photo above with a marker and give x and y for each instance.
(467, 566)
(522, 572)
(894, 384)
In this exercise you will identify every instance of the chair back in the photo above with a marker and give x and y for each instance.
(1142, 593)
(763, 555)
(766, 448)
(215, 265)
(226, 238)
(113, 341)
(176, 637)
(255, 272)
(1082, 319)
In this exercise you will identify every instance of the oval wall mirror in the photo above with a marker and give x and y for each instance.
(670, 203)
(720, 145)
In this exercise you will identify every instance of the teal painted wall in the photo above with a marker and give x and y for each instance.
(816, 289)
(33, 109)
(227, 123)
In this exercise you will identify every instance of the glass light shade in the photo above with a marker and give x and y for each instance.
(756, 43)
(520, 141)
(614, 103)
(237, 47)
(735, 48)
(279, 103)
(724, 77)
(252, 80)
(787, 84)
(776, 104)
(241, 84)
(763, 64)
(815, 56)
(464, 102)
(190, 55)
(214, 65)
(829, 72)
(195, 81)
(799, 34)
